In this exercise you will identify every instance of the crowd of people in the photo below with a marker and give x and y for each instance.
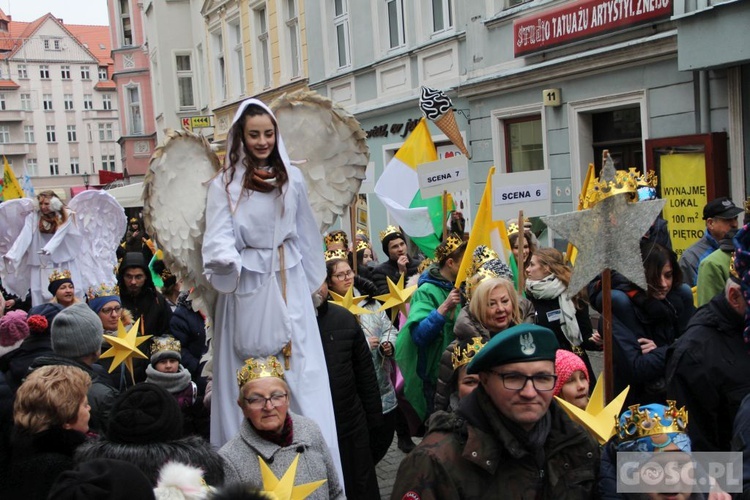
(298, 386)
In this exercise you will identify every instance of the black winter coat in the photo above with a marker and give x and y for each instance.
(709, 372)
(354, 386)
(189, 328)
(389, 269)
(38, 459)
(16, 363)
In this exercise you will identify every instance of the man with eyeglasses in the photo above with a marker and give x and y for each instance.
(508, 439)
(139, 296)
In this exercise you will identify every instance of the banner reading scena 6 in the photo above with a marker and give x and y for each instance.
(683, 185)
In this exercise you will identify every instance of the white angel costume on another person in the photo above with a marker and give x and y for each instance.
(84, 245)
(261, 251)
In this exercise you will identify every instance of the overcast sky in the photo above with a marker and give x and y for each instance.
(72, 11)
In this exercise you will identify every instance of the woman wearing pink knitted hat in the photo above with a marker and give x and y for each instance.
(572, 379)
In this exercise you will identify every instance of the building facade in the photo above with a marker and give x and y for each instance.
(547, 85)
(58, 106)
(132, 78)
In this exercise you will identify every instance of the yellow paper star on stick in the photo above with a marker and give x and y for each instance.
(350, 302)
(599, 420)
(125, 347)
(396, 298)
(284, 489)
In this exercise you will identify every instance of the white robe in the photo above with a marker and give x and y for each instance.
(238, 251)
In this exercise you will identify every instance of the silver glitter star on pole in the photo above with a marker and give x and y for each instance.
(607, 236)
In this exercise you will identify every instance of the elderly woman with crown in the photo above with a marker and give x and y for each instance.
(62, 288)
(273, 441)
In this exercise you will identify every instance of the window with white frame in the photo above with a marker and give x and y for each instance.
(4, 134)
(52, 44)
(106, 132)
(47, 101)
(74, 166)
(32, 167)
(108, 162)
(56, 44)
(28, 134)
(292, 28)
(220, 72)
(88, 101)
(102, 73)
(68, 100)
(442, 15)
(185, 89)
(54, 166)
(2, 102)
(44, 72)
(107, 101)
(51, 135)
(23, 73)
(263, 46)
(85, 73)
(26, 102)
(135, 119)
(126, 31)
(65, 72)
(395, 9)
(341, 26)
(72, 135)
(524, 148)
(238, 61)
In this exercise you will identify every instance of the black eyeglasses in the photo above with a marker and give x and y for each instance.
(259, 402)
(517, 381)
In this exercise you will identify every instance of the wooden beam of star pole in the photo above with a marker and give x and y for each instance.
(609, 379)
(445, 212)
(353, 232)
(520, 264)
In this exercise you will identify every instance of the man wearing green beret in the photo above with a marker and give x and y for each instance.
(508, 439)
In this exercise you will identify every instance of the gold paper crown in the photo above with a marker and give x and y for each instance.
(641, 423)
(388, 231)
(450, 245)
(361, 232)
(256, 368)
(482, 255)
(167, 343)
(59, 275)
(475, 279)
(334, 254)
(424, 265)
(133, 220)
(733, 271)
(624, 182)
(103, 290)
(336, 237)
(166, 274)
(513, 228)
(747, 205)
(362, 245)
(460, 357)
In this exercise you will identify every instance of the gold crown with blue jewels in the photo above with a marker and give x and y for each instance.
(256, 368)
(642, 423)
(167, 343)
(450, 245)
(619, 182)
(460, 357)
(103, 290)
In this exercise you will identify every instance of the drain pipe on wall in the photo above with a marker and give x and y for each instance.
(705, 102)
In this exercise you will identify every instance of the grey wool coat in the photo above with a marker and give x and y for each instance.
(241, 464)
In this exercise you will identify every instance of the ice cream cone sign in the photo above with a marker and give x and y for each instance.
(437, 107)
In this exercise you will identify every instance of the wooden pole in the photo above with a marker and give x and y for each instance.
(445, 212)
(353, 232)
(607, 335)
(519, 251)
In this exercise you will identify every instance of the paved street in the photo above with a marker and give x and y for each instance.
(388, 467)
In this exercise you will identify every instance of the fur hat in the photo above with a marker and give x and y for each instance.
(13, 329)
(102, 478)
(566, 364)
(181, 481)
(166, 347)
(144, 414)
(76, 331)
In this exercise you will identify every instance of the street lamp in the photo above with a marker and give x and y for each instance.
(86, 180)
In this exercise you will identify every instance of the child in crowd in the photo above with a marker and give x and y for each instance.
(166, 371)
(572, 378)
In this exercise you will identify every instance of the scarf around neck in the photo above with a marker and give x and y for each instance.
(171, 382)
(552, 288)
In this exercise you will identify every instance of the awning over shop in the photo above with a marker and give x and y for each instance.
(129, 196)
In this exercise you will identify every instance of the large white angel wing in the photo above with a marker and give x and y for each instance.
(102, 222)
(332, 145)
(174, 208)
(13, 213)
